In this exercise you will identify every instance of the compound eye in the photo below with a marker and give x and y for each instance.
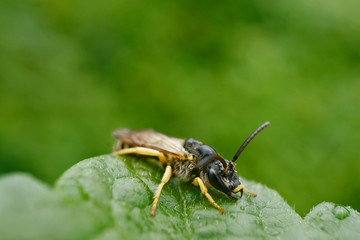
(215, 179)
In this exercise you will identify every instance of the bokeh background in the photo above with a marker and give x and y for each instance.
(72, 71)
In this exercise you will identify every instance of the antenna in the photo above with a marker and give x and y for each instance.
(248, 140)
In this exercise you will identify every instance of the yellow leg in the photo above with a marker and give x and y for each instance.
(251, 193)
(241, 187)
(166, 177)
(198, 182)
(143, 151)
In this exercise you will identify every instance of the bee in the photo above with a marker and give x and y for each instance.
(187, 159)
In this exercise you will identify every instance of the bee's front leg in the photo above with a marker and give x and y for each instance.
(198, 182)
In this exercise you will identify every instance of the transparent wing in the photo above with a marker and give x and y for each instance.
(152, 139)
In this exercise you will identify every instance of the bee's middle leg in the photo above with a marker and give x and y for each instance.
(166, 177)
(198, 182)
(143, 151)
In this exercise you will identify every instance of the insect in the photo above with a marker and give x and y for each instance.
(187, 159)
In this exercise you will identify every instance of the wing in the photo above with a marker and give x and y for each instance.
(152, 139)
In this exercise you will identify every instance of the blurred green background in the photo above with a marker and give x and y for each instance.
(72, 71)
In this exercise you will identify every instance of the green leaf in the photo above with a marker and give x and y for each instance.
(109, 197)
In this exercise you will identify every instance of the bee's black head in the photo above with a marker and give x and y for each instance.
(225, 181)
(215, 170)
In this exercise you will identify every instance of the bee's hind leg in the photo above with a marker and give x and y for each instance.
(198, 182)
(143, 151)
(166, 177)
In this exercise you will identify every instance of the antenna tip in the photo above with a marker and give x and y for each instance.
(264, 125)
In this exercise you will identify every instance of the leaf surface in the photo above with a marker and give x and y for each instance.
(108, 197)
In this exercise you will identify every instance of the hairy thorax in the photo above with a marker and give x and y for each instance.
(182, 168)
